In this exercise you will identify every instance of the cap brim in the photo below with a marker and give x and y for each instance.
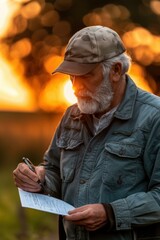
(74, 68)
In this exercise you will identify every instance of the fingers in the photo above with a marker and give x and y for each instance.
(40, 171)
(78, 213)
(94, 227)
(91, 216)
(26, 179)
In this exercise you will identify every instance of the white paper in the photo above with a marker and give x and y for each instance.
(44, 203)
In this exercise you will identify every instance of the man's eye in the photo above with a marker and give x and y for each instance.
(86, 76)
(72, 77)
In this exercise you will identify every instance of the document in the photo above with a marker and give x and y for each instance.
(44, 203)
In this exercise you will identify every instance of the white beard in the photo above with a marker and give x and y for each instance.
(96, 102)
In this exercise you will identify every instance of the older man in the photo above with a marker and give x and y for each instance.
(105, 155)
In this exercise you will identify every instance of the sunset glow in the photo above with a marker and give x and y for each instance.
(57, 94)
(138, 74)
(28, 85)
(7, 10)
(15, 95)
(68, 92)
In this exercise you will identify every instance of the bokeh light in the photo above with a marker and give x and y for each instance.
(31, 10)
(34, 36)
(21, 48)
(7, 12)
(68, 92)
(155, 6)
(52, 96)
(15, 94)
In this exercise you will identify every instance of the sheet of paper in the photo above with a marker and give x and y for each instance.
(44, 203)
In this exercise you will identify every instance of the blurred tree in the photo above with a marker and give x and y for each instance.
(41, 29)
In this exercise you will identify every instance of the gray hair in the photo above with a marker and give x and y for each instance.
(123, 58)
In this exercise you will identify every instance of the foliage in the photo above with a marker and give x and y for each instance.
(19, 223)
(41, 29)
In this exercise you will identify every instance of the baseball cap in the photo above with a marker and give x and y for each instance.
(88, 47)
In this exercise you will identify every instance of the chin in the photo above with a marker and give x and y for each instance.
(88, 108)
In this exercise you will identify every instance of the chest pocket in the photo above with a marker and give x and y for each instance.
(125, 150)
(70, 155)
(121, 161)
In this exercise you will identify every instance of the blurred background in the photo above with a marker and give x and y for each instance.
(33, 37)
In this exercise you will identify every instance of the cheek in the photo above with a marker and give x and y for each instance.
(94, 83)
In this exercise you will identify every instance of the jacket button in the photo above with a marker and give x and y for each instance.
(82, 181)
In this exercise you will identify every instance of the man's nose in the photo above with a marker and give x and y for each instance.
(77, 82)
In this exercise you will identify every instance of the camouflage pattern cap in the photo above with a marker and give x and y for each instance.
(88, 47)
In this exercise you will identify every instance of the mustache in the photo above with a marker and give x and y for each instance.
(84, 94)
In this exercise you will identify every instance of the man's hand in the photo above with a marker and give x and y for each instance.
(26, 179)
(91, 216)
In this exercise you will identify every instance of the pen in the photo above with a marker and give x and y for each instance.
(29, 164)
(32, 168)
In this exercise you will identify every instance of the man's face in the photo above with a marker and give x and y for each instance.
(93, 91)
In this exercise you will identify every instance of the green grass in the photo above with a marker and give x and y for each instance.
(23, 134)
(19, 223)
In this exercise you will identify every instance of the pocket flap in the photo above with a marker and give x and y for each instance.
(123, 150)
(68, 143)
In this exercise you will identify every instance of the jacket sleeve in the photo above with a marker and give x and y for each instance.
(52, 167)
(143, 208)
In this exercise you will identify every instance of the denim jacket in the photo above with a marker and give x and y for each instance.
(120, 165)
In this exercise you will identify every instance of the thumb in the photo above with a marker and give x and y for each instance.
(40, 171)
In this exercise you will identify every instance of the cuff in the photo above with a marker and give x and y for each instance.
(111, 223)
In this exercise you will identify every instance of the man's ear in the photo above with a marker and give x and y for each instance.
(116, 72)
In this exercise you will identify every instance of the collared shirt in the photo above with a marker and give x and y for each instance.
(103, 121)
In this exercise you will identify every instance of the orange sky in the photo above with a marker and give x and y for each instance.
(17, 95)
